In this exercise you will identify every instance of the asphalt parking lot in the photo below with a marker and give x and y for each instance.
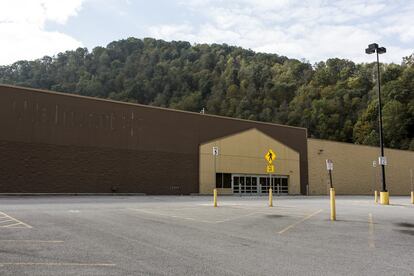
(185, 235)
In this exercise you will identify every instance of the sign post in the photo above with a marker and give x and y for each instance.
(215, 154)
(384, 194)
(374, 165)
(270, 156)
(329, 167)
(412, 186)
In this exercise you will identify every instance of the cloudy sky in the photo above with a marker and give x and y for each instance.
(305, 29)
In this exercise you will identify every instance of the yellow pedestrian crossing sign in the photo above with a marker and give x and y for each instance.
(270, 168)
(270, 156)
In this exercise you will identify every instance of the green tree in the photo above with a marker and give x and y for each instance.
(335, 99)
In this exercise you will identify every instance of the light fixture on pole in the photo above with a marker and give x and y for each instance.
(384, 196)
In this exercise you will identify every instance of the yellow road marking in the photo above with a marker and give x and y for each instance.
(18, 222)
(371, 241)
(59, 264)
(300, 221)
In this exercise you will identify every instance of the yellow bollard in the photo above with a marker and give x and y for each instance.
(270, 198)
(384, 198)
(376, 196)
(333, 210)
(412, 197)
(215, 197)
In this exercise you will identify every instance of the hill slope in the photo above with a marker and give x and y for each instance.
(335, 99)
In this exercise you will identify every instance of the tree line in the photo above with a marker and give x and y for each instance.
(335, 99)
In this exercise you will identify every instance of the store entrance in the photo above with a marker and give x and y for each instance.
(259, 184)
(245, 184)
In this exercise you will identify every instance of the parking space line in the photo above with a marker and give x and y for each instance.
(260, 206)
(277, 209)
(17, 223)
(291, 211)
(32, 241)
(11, 225)
(238, 217)
(57, 264)
(182, 208)
(7, 220)
(249, 207)
(371, 241)
(252, 212)
(170, 216)
(169, 252)
(193, 219)
(300, 221)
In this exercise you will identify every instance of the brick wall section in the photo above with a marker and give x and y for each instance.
(54, 142)
(353, 172)
(43, 168)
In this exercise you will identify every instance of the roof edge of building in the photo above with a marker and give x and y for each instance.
(143, 105)
(353, 144)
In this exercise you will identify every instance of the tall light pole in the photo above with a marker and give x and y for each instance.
(374, 48)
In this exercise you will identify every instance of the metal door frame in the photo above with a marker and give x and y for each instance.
(258, 185)
(244, 176)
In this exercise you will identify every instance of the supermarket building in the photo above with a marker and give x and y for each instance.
(61, 143)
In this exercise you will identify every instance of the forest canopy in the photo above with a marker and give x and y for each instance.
(335, 99)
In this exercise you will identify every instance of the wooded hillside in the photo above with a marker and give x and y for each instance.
(335, 100)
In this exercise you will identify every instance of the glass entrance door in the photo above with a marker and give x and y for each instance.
(244, 184)
(278, 183)
(259, 184)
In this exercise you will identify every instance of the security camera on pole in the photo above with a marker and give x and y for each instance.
(329, 167)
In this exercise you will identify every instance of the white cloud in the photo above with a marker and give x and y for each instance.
(180, 32)
(310, 29)
(22, 28)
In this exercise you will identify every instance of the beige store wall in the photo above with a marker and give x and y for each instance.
(353, 172)
(244, 153)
